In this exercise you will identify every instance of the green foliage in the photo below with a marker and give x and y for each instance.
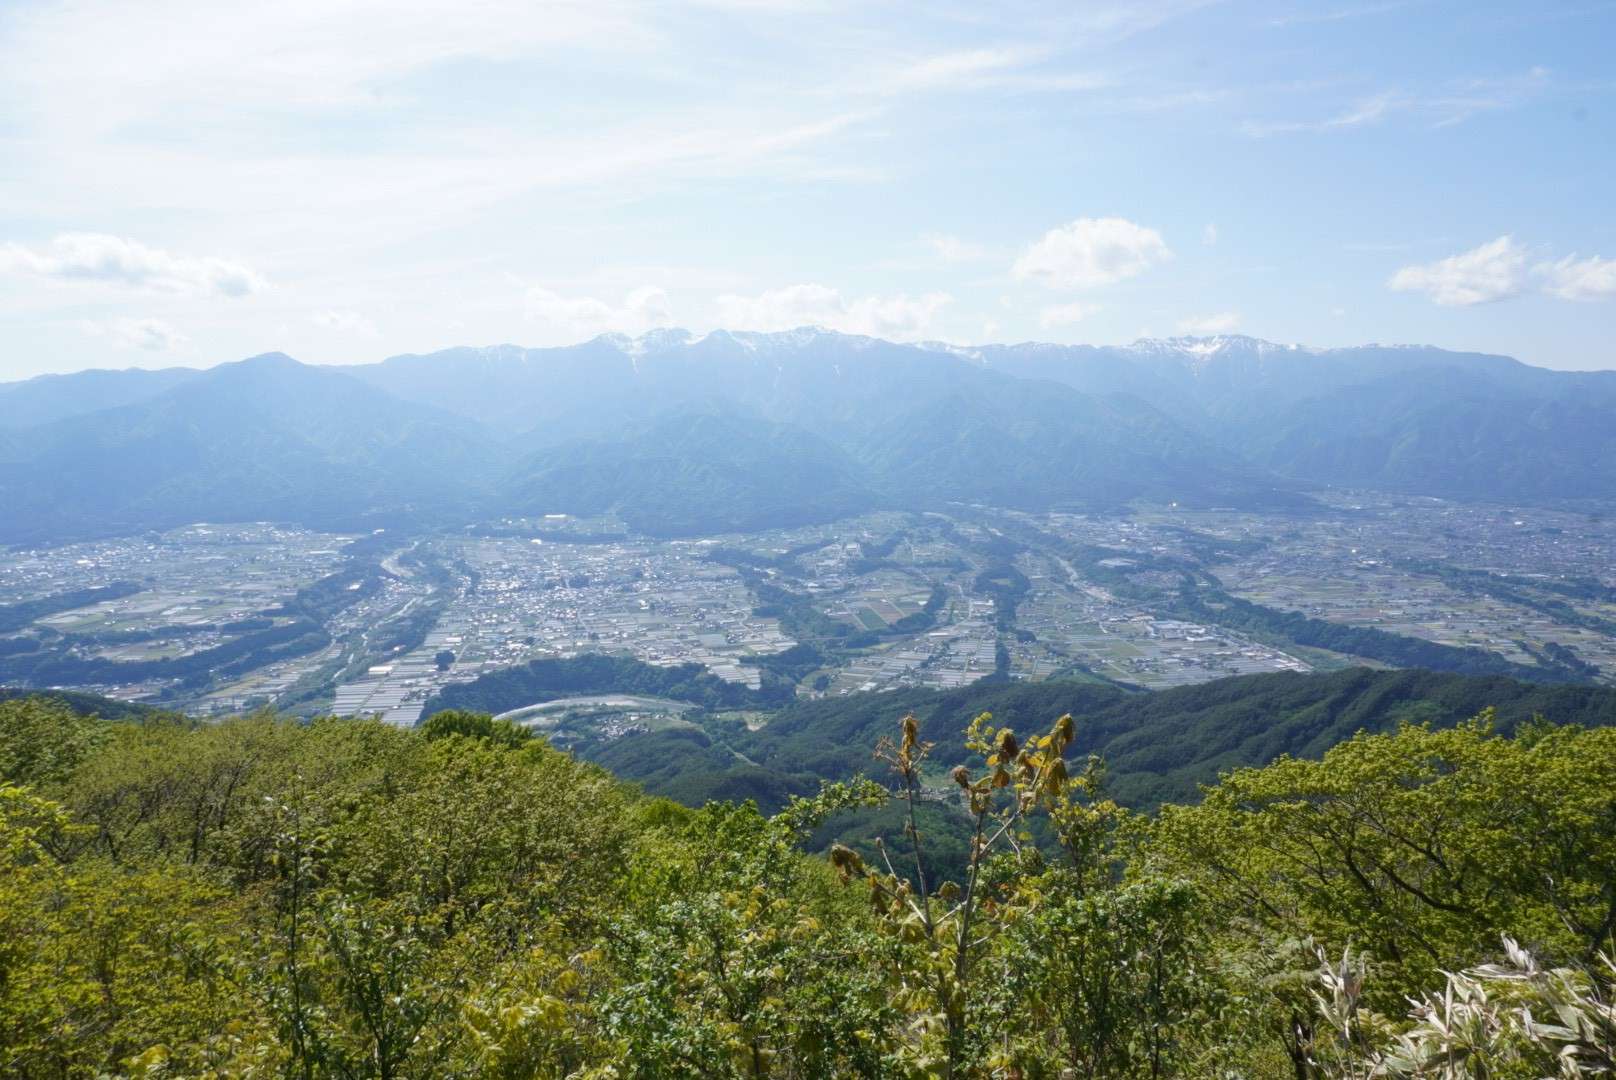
(1006, 585)
(1420, 846)
(593, 673)
(43, 740)
(1118, 982)
(259, 898)
(17, 616)
(474, 725)
(1159, 747)
(250, 650)
(794, 663)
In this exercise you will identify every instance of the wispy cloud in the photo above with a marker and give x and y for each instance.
(564, 319)
(1367, 111)
(1066, 314)
(1010, 69)
(967, 67)
(1377, 247)
(952, 250)
(1224, 322)
(1501, 269)
(347, 322)
(135, 61)
(150, 335)
(1457, 103)
(1311, 15)
(1439, 105)
(1572, 278)
(900, 316)
(116, 260)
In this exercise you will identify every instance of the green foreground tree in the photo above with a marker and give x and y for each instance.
(261, 898)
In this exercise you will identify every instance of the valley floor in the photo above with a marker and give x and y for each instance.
(220, 618)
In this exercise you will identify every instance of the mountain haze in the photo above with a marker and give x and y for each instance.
(56, 397)
(262, 439)
(679, 434)
(1403, 418)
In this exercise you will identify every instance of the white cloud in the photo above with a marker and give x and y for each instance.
(1310, 14)
(1224, 322)
(1368, 111)
(1013, 69)
(964, 67)
(1470, 97)
(1494, 271)
(1442, 105)
(895, 317)
(1209, 235)
(348, 322)
(97, 257)
(152, 335)
(140, 60)
(1066, 314)
(951, 249)
(217, 114)
(1572, 278)
(1091, 252)
(576, 318)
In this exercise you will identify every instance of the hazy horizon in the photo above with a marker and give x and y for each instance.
(348, 181)
(206, 364)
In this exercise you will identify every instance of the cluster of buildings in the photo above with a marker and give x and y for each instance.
(494, 601)
(1091, 628)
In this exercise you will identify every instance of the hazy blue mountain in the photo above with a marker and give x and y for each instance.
(829, 383)
(542, 395)
(924, 426)
(682, 434)
(266, 438)
(55, 397)
(675, 434)
(1035, 444)
(696, 473)
(1407, 418)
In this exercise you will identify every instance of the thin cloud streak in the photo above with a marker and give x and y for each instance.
(1368, 111)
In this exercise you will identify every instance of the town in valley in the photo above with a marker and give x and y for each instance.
(215, 619)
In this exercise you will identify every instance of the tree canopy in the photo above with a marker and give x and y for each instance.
(264, 898)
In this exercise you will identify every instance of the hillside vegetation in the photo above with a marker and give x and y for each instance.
(259, 898)
(1159, 747)
(538, 681)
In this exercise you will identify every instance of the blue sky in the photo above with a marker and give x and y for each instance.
(189, 181)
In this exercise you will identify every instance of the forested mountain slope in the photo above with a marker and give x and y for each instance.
(1158, 746)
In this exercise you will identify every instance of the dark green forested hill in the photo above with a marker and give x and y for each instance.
(1158, 746)
(594, 673)
(85, 704)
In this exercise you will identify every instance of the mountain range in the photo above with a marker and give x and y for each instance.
(679, 434)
